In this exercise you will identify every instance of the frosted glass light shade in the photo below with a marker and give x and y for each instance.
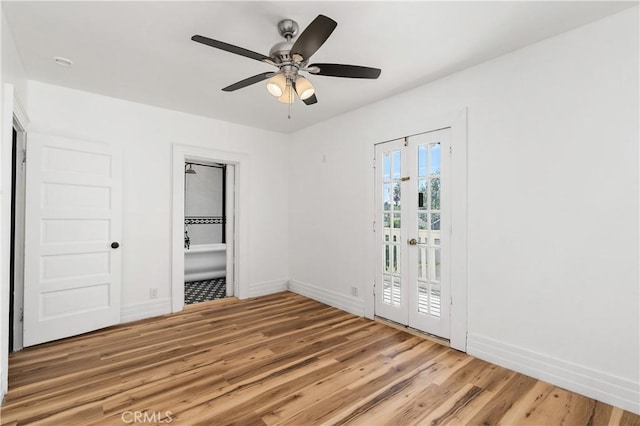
(287, 96)
(276, 85)
(304, 88)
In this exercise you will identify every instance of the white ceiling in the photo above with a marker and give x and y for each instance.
(141, 51)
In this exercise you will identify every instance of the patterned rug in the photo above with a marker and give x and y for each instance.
(201, 291)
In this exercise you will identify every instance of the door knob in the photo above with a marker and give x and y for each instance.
(115, 245)
(413, 242)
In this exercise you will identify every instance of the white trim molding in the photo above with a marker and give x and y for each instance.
(20, 113)
(147, 309)
(604, 387)
(268, 287)
(6, 165)
(350, 304)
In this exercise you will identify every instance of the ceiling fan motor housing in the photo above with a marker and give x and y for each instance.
(281, 52)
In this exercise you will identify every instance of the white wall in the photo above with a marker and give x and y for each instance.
(12, 68)
(552, 205)
(12, 73)
(146, 135)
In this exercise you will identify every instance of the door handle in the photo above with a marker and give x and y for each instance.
(115, 245)
(413, 242)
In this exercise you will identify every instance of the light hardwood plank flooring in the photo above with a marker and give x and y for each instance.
(278, 359)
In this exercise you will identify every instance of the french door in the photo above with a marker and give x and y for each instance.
(412, 228)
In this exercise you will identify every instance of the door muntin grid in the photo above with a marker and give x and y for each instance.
(429, 276)
(392, 228)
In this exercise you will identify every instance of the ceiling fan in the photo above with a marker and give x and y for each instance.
(291, 58)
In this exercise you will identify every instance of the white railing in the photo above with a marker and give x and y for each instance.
(428, 269)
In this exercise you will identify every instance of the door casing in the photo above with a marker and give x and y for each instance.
(18, 239)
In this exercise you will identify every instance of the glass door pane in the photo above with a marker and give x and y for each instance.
(392, 226)
(428, 211)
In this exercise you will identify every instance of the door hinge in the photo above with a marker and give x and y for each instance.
(374, 226)
(24, 156)
(450, 150)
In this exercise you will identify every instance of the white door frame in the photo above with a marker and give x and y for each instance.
(457, 122)
(12, 108)
(18, 261)
(181, 154)
(230, 228)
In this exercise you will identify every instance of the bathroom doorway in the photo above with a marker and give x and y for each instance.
(208, 217)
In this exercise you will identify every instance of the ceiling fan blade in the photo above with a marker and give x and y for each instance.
(348, 71)
(313, 36)
(310, 100)
(249, 81)
(229, 48)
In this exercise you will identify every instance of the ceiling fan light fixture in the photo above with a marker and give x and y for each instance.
(304, 88)
(277, 85)
(287, 95)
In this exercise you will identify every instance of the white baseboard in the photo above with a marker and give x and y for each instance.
(344, 302)
(148, 309)
(268, 287)
(617, 391)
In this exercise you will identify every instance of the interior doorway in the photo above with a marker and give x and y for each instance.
(413, 217)
(206, 227)
(235, 234)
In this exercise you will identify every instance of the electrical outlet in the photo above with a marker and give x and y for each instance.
(153, 293)
(354, 291)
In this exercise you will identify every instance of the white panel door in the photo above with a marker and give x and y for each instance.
(413, 232)
(72, 235)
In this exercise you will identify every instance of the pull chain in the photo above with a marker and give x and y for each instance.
(290, 100)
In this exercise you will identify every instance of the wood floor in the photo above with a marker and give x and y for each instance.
(279, 359)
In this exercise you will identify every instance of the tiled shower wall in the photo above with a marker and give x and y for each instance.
(203, 205)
